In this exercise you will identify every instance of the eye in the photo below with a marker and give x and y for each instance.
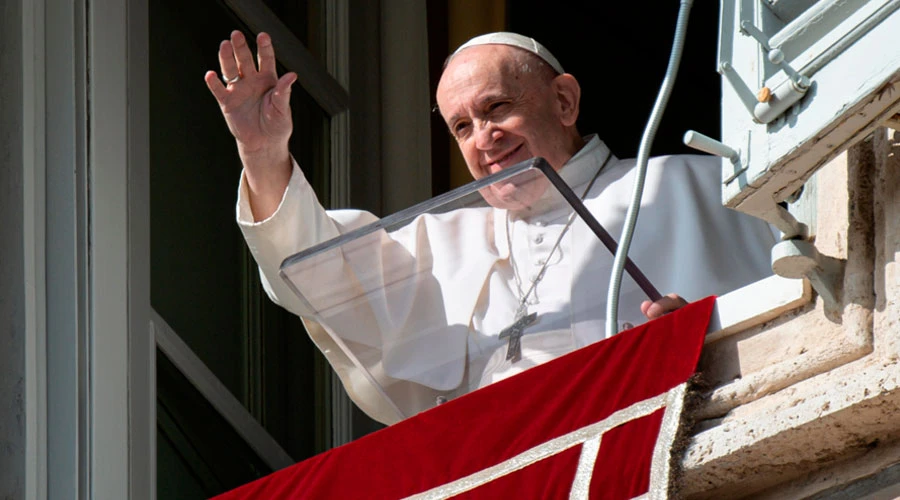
(460, 128)
(494, 106)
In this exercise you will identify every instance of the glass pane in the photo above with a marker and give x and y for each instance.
(400, 307)
(199, 454)
(202, 280)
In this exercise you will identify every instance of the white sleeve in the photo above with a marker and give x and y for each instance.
(299, 222)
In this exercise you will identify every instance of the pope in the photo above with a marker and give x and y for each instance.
(526, 287)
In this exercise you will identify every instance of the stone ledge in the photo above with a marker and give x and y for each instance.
(872, 473)
(815, 423)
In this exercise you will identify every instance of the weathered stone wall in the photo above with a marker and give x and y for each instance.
(809, 403)
(887, 245)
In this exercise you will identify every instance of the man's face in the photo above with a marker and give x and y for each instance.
(500, 113)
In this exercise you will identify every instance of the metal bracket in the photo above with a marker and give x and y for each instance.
(746, 96)
(800, 259)
(700, 142)
(780, 217)
(776, 102)
(775, 55)
(707, 144)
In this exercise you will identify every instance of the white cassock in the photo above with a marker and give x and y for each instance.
(685, 242)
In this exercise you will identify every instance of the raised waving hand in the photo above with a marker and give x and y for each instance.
(256, 107)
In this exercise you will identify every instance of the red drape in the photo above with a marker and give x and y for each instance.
(503, 420)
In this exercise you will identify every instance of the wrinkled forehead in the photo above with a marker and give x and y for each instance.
(478, 68)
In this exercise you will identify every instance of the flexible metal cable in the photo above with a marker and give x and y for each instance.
(615, 280)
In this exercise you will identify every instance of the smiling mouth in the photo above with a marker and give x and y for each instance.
(501, 162)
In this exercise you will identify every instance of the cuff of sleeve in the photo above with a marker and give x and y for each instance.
(297, 183)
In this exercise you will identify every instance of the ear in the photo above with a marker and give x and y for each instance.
(568, 98)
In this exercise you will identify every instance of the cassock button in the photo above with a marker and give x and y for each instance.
(540, 262)
(539, 239)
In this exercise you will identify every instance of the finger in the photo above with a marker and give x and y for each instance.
(242, 54)
(265, 54)
(226, 60)
(664, 305)
(281, 97)
(215, 86)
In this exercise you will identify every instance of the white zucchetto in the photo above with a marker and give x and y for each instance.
(513, 40)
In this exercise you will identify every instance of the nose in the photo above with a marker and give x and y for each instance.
(486, 134)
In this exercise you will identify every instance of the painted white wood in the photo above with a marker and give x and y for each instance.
(68, 407)
(820, 26)
(34, 227)
(855, 90)
(218, 395)
(755, 304)
(107, 45)
(788, 9)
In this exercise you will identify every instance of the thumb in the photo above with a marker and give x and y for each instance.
(281, 96)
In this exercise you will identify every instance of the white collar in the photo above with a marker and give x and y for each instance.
(578, 171)
(582, 167)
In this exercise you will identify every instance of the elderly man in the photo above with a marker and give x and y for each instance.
(505, 99)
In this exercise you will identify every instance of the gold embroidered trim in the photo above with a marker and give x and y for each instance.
(660, 466)
(581, 485)
(548, 449)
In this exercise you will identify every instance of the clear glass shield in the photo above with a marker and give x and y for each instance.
(429, 303)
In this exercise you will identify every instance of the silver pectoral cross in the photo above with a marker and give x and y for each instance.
(514, 333)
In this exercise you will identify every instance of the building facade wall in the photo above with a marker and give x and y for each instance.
(805, 404)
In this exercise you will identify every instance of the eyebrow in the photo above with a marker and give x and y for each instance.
(494, 96)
